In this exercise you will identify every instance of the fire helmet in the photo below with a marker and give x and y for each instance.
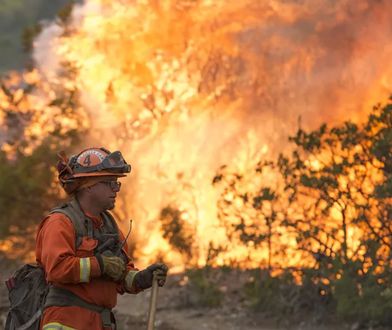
(90, 163)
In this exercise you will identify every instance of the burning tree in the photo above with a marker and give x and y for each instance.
(333, 196)
(176, 231)
(37, 120)
(251, 210)
(338, 187)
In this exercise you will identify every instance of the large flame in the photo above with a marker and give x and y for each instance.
(182, 87)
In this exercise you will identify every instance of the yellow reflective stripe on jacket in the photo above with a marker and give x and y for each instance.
(56, 326)
(129, 279)
(85, 268)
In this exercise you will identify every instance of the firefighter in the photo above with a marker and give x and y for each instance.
(81, 249)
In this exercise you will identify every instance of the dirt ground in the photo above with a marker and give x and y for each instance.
(132, 312)
(176, 310)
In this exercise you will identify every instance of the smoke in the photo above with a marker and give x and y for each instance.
(182, 87)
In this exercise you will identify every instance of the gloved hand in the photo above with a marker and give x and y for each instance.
(144, 278)
(112, 266)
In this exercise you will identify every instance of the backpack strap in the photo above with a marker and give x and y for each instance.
(63, 297)
(110, 225)
(83, 225)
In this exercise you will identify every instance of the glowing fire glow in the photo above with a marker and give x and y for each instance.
(182, 87)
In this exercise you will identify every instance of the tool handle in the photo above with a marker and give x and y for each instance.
(153, 302)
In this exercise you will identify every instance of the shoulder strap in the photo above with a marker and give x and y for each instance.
(79, 220)
(110, 224)
(82, 224)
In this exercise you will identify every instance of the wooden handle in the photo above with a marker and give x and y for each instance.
(153, 303)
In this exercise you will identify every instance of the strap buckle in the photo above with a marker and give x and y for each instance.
(106, 317)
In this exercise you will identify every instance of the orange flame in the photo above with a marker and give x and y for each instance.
(182, 87)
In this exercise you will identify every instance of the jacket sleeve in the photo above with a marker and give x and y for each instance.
(131, 271)
(55, 251)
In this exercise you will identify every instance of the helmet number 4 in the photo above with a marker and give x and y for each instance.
(87, 161)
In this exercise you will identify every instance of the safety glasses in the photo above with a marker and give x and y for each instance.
(114, 185)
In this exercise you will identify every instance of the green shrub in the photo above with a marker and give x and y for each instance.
(364, 298)
(204, 290)
(281, 297)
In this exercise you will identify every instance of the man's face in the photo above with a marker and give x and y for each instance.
(105, 192)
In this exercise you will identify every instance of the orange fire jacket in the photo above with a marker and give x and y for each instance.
(76, 270)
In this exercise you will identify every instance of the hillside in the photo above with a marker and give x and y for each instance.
(15, 17)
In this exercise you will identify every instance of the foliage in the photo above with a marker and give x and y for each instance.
(27, 184)
(64, 14)
(31, 134)
(25, 188)
(333, 181)
(15, 17)
(204, 287)
(175, 230)
(249, 209)
(28, 36)
(338, 185)
(334, 198)
(283, 298)
(335, 177)
(362, 297)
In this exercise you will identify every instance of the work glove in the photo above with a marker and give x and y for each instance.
(143, 279)
(111, 266)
